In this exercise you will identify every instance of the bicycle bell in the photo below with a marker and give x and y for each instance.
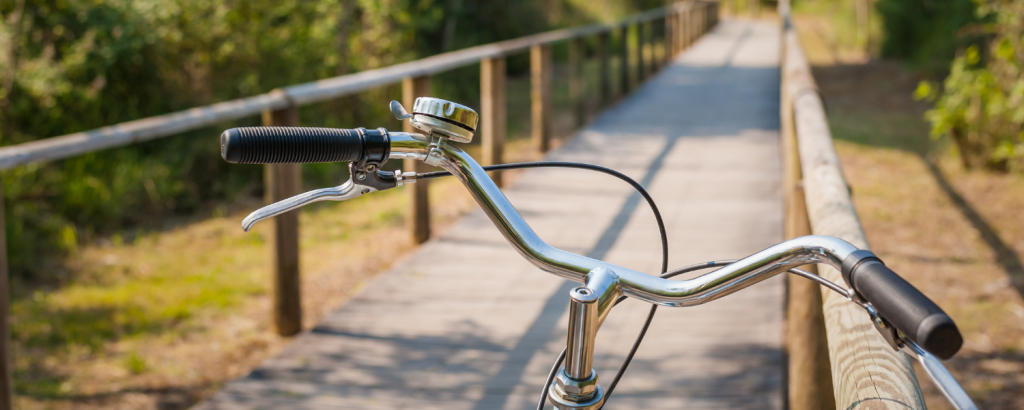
(439, 117)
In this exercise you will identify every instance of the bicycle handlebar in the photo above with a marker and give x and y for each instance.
(899, 302)
(303, 145)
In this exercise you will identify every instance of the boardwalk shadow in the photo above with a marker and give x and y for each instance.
(741, 388)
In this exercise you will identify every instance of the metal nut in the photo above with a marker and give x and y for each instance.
(581, 388)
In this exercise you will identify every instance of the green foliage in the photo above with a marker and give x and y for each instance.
(925, 33)
(74, 65)
(981, 106)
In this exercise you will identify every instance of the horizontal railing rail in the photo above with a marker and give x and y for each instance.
(836, 357)
(131, 132)
(684, 22)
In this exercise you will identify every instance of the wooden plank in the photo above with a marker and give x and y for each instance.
(864, 367)
(809, 370)
(540, 96)
(576, 81)
(418, 216)
(6, 370)
(131, 132)
(624, 78)
(605, 69)
(283, 181)
(492, 112)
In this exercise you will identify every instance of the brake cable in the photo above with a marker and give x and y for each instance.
(664, 257)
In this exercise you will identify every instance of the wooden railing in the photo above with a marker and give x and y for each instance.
(683, 23)
(836, 358)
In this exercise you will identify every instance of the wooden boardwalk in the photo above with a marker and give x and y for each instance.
(466, 323)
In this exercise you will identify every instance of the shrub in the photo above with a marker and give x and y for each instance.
(981, 105)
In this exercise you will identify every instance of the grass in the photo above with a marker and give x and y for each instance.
(187, 307)
(957, 235)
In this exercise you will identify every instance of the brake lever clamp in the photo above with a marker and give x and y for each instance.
(886, 329)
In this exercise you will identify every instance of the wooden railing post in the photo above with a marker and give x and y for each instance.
(704, 19)
(624, 77)
(691, 23)
(605, 74)
(283, 181)
(540, 96)
(670, 35)
(418, 216)
(6, 369)
(681, 35)
(809, 369)
(492, 111)
(666, 38)
(640, 72)
(576, 80)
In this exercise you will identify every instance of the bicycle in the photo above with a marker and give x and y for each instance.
(904, 317)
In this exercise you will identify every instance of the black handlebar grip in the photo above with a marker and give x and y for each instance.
(302, 145)
(905, 307)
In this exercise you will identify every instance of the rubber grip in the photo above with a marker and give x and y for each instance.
(909, 310)
(291, 145)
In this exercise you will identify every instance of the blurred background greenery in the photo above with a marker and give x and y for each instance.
(74, 65)
(968, 51)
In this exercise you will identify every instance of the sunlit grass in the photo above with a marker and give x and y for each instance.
(165, 287)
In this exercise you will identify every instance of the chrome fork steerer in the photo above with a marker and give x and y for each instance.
(576, 384)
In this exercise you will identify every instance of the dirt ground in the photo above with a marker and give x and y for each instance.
(957, 235)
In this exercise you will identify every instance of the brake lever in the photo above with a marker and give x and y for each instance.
(363, 181)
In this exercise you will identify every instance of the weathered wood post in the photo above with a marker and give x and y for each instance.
(624, 77)
(418, 216)
(6, 369)
(666, 40)
(681, 28)
(809, 371)
(605, 70)
(576, 81)
(492, 111)
(694, 24)
(641, 72)
(284, 181)
(540, 96)
(704, 19)
(670, 34)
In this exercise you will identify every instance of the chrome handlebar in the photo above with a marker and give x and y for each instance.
(702, 289)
